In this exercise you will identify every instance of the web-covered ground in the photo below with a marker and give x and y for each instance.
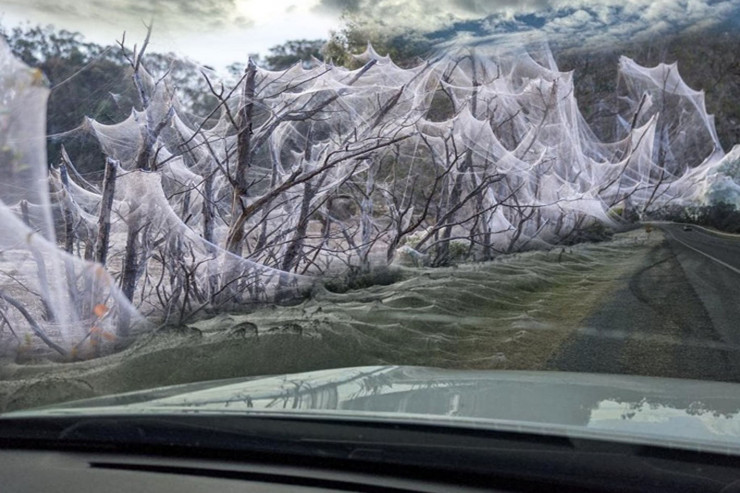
(514, 313)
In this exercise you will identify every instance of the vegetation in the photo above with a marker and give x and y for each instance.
(721, 216)
(303, 51)
(406, 48)
(87, 80)
(217, 193)
(90, 81)
(708, 61)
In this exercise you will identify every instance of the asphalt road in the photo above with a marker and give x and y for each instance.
(678, 316)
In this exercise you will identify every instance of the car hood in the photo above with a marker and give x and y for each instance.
(681, 413)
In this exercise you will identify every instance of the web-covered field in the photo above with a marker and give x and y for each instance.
(514, 313)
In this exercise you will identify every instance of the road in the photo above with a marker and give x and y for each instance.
(678, 316)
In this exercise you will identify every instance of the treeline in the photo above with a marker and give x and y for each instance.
(708, 61)
(90, 80)
(87, 80)
(722, 216)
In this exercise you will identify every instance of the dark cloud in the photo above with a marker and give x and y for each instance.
(192, 9)
(565, 22)
(56, 8)
(336, 7)
(174, 14)
(485, 8)
(440, 21)
(243, 22)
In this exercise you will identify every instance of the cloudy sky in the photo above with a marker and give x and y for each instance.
(218, 32)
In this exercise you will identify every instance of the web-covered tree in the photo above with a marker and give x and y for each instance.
(87, 80)
(707, 60)
(295, 175)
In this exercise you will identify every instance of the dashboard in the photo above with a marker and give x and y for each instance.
(184, 454)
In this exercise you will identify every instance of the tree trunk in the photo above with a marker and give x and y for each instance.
(67, 215)
(106, 205)
(292, 254)
(243, 159)
(130, 260)
(366, 219)
(208, 215)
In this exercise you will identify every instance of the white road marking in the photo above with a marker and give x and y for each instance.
(724, 264)
(715, 232)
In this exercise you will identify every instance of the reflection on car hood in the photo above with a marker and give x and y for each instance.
(684, 413)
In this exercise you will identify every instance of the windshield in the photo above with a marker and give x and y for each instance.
(199, 191)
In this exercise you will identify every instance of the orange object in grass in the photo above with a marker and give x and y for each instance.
(100, 310)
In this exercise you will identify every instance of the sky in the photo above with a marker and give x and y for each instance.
(219, 32)
(214, 32)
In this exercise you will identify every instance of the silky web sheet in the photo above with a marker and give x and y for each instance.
(468, 155)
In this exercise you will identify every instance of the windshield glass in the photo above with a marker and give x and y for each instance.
(199, 191)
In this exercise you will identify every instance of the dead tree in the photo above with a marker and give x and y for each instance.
(106, 207)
